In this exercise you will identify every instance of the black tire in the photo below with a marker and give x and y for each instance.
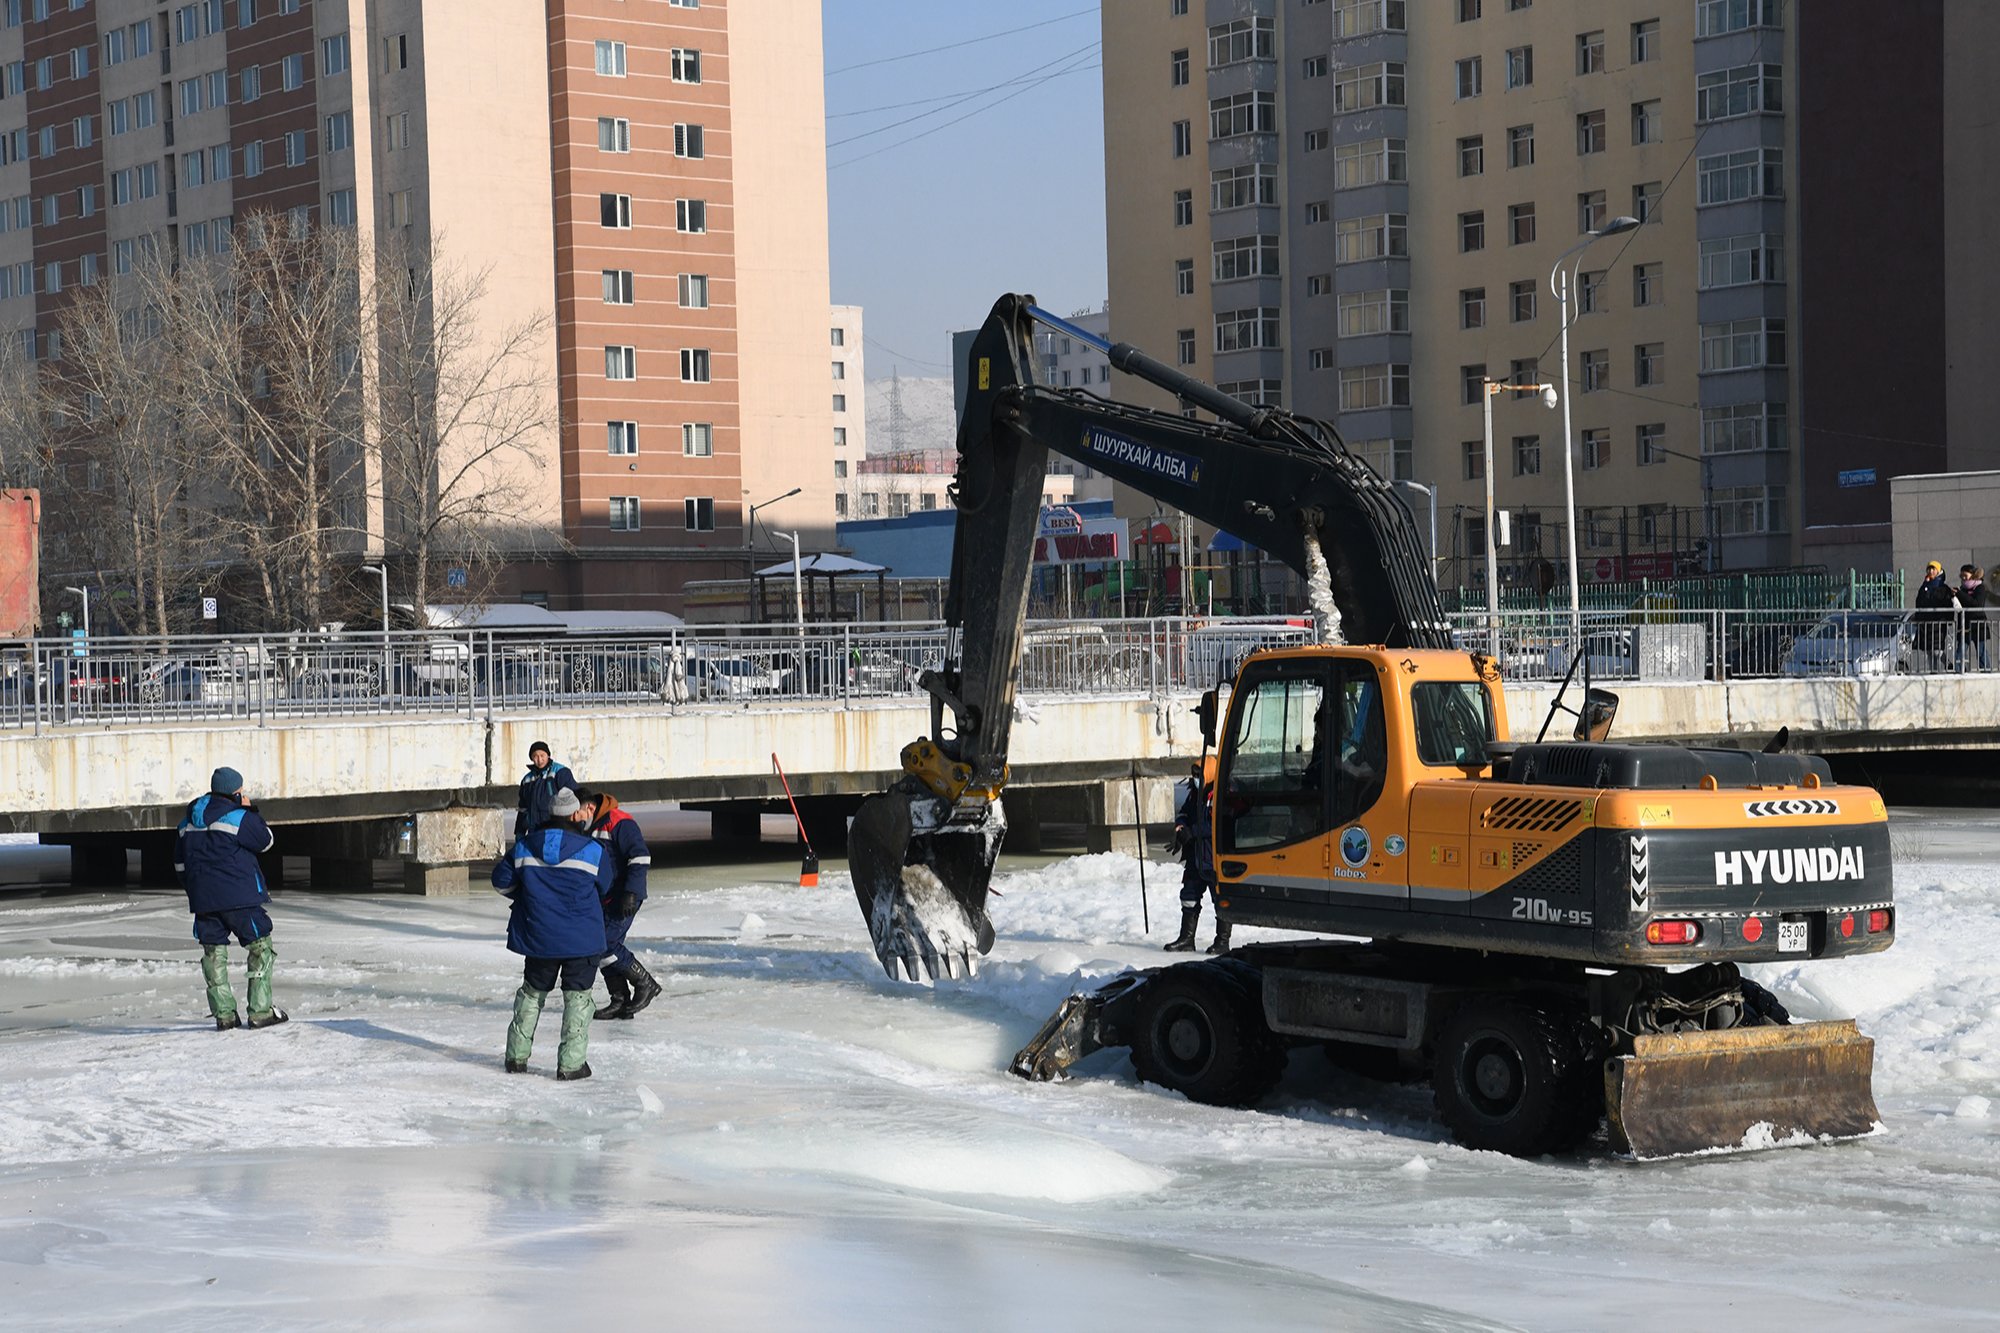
(1200, 1032)
(1516, 1078)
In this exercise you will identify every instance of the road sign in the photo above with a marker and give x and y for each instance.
(78, 646)
(454, 578)
(208, 608)
(1860, 476)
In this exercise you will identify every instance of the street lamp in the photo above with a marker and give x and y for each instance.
(383, 570)
(1493, 389)
(751, 537)
(85, 594)
(1560, 290)
(798, 586)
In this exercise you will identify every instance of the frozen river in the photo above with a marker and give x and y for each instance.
(787, 1140)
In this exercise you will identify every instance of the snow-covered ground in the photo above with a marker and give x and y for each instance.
(788, 1140)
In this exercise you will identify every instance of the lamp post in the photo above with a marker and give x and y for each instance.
(1493, 389)
(798, 587)
(383, 570)
(1560, 290)
(85, 594)
(750, 538)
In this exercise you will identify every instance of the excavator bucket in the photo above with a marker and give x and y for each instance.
(922, 880)
(1747, 1087)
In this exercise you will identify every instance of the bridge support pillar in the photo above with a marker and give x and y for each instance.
(442, 843)
(436, 881)
(97, 860)
(1113, 817)
(156, 859)
(342, 872)
(272, 863)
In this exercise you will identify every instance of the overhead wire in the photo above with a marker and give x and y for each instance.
(969, 41)
(960, 99)
(998, 101)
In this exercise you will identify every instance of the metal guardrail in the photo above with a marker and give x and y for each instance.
(64, 682)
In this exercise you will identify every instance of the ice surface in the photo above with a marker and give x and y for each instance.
(787, 1139)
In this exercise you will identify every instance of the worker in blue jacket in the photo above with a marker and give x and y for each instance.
(539, 785)
(556, 876)
(632, 987)
(215, 854)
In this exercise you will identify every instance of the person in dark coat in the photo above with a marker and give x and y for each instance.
(215, 854)
(1194, 840)
(539, 785)
(632, 987)
(1936, 601)
(1975, 597)
(556, 876)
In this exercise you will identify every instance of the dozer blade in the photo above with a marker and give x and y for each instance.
(1750, 1087)
(922, 882)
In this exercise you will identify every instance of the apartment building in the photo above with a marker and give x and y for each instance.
(644, 176)
(850, 428)
(1388, 186)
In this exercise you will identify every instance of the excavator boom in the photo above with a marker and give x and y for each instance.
(922, 853)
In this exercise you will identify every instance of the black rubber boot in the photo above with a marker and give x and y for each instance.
(270, 1020)
(1184, 942)
(517, 1066)
(572, 1075)
(1221, 944)
(644, 989)
(621, 996)
(224, 1022)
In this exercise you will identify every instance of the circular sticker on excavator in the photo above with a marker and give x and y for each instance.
(1354, 846)
(1393, 845)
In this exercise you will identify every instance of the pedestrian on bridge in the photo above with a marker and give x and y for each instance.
(1978, 600)
(632, 987)
(1936, 602)
(539, 785)
(556, 876)
(215, 854)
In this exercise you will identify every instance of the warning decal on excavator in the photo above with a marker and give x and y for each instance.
(985, 372)
(1183, 468)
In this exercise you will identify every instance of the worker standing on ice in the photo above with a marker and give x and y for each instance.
(632, 987)
(539, 785)
(1194, 839)
(215, 854)
(556, 876)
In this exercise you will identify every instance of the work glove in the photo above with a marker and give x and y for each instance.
(1179, 843)
(624, 903)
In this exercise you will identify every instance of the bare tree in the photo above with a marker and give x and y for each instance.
(465, 408)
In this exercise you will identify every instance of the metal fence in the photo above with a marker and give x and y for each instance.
(1709, 592)
(51, 683)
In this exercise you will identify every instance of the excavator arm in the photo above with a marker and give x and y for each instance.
(922, 853)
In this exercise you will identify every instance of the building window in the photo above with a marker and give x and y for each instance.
(1649, 365)
(1527, 457)
(296, 148)
(686, 65)
(1589, 133)
(840, 402)
(1245, 186)
(1651, 440)
(1521, 300)
(333, 55)
(1645, 41)
(1368, 86)
(1370, 162)
(1468, 10)
(1177, 8)
(621, 437)
(1183, 208)
(1743, 344)
(1590, 292)
(1177, 68)
(694, 294)
(1521, 146)
(1591, 211)
(1744, 428)
(1382, 311)
(689, 141)
(1472, 308)
(840, 370)
(839, 436)
(1596, 371)
(1240, 41)
(1472, 231)
(690, 215)
(1184, 341)
(1715, 18)
(1520, 66)
(1319, 358)
(1748, 510)
(340, 208)
(624, 510)
(1241, 114)
(1744, 90)
(1594, 448)
(614, 210)
(611, 59)
(694, 365)
(1646, 201)
(621, 363)
(1471, 384)
(1183, 138)
(1313, 67)
(292, 72)
(614, 134)
(838, 337)
(1473, 452)
(1318, 211)
(1472, 156)
(1471, 79)
(1315, 141)
(698, 439)
(1245, 330)
(1738, 261)
(1319, 284)
(1381, 236)
(1358, 18)
(1520, 224)
(840, 506)
(339, 132)
(1244, 257)
(1590, 52)
(1524, 371)
(396, 131)
(1363, 388)
(1754, 173)
(1184, 277)
(1258, 393)
(1647, 288)
(1648, 122)
(699, 511)
(618, 286)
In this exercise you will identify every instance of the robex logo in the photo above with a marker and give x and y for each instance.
(1790, 865)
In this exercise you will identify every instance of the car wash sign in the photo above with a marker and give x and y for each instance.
(1117, 451)
(1089, 541)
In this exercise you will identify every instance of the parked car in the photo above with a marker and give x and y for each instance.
(1861, 643)
(713, 676)
(1608, 656)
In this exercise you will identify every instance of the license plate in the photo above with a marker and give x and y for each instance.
(1792, 937)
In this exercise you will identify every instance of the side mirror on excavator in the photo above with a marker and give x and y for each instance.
(1205, 710)
(1599, 708)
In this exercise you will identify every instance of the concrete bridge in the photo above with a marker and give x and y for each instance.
(437, 792)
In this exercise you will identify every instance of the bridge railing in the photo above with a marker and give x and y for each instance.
(257, 678)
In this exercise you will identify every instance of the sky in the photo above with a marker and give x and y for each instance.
(927, 232)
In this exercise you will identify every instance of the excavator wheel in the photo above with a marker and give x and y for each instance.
(1516, 1077)
(1200, 1032)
